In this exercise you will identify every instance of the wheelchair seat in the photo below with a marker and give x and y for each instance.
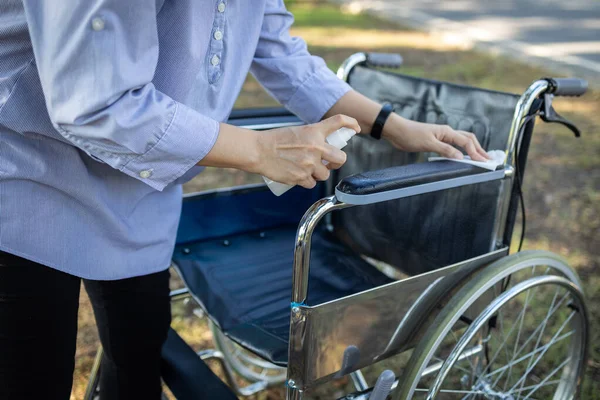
(243, 279)
(244, 282)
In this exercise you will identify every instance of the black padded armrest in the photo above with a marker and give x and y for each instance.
(410, 180)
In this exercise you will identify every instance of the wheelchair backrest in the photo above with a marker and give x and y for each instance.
(429, 231)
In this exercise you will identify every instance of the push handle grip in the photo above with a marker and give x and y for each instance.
(386, 60)
(568, 86)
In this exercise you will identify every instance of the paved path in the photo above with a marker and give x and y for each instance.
(561, 34)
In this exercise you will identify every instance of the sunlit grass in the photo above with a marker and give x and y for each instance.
(369, 38)
(319, 14)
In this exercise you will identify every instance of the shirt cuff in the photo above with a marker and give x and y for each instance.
(187, 140)
(317, 94)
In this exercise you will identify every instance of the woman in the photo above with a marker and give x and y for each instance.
(106, 107)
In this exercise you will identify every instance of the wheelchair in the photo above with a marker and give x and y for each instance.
(392, 255)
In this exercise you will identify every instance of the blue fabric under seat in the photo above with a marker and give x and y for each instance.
(244, 282)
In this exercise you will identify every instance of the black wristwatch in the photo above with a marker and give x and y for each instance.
(383, 115)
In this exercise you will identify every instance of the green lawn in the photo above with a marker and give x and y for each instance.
(320, 14)
(562, 183)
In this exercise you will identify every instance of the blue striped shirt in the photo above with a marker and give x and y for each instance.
(106, 106)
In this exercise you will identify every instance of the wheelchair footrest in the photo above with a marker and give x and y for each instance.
(188, 377)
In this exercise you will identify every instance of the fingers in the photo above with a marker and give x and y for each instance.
(480, 151)
(334, 156)
(466, 140)
(321, 173)
(309, 180)
(308, 183)
(445, 150)
(336, 122)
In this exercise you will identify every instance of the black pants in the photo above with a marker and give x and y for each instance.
(38, 329)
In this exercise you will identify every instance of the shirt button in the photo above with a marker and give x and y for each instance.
(221, 7)
(215, 60)
(145, 174)
(218, 35)
(97, 24)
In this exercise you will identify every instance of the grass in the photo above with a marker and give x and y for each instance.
(562, 182)
(320, 14)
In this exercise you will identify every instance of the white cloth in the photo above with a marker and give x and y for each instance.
(497, 158)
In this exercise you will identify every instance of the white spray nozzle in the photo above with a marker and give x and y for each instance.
(338, 139)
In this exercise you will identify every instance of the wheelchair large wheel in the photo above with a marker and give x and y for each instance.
(527, 341)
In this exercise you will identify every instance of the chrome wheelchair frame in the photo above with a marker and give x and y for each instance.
(418, 301)
(412, 292)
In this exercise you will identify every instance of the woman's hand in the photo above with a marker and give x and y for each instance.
(414, 136)
(293, 155)
(409, 135)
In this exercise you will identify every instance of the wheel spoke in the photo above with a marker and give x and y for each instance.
(551, 310)
(476, 372)
(501, 318)
(522, 319)
(457, 366)
(528, 340)
(538, 385)
(547, 346)
(526, 356)
(456, 391)
(539, 338)
(560, 303)
(497, 353)
(547, 377)
(468, 358)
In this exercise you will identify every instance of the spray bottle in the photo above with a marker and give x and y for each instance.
(338, 139)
